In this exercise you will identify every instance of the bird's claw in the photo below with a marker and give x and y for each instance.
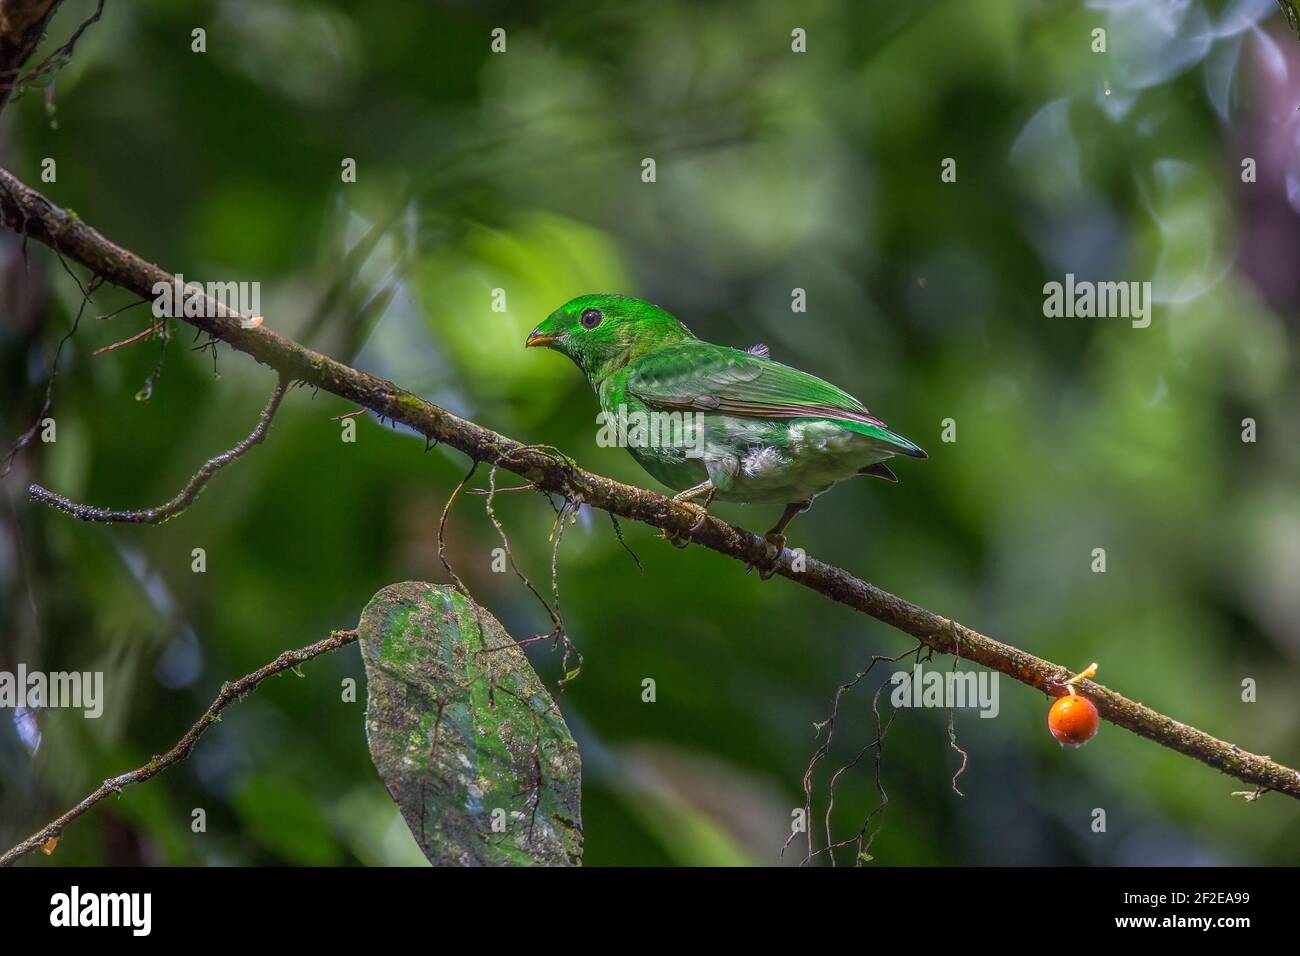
(676, 540)
(681, 541)
(772, 561)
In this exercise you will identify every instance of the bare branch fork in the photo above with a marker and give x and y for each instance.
(32, 215)
(229, 693)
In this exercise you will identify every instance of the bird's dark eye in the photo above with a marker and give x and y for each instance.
(590, 319)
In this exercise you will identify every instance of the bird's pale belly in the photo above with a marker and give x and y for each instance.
(764, 462)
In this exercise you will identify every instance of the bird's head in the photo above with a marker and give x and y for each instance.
(602, 333)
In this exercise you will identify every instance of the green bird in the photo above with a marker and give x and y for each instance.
(748, 429)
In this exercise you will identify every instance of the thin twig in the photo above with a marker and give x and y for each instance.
(510, 554)
(562, 633)
(442, 531)
(134, 338)
(48, 402)
(618, 533)
(952, 737)
(828, 725)
(25, 22)
(187, 494)
(230, 692)
(65, 51)
(146, 390)
(126, 308)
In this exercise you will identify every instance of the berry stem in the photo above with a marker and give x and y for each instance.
(1085, 674)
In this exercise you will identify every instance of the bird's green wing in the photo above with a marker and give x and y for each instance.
(698, 376)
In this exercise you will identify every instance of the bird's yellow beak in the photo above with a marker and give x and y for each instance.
(538, 340)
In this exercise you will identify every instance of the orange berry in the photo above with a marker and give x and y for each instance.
(1073, 720)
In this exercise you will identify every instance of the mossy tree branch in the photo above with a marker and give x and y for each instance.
(31, 214)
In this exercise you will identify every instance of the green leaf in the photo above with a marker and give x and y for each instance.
(471, 746)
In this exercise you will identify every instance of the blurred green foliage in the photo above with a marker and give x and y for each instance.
(775, 170)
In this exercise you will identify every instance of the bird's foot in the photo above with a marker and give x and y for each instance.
(684, 499)
(682, 540)
(772, 561)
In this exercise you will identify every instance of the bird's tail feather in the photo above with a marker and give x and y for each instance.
(897, 443)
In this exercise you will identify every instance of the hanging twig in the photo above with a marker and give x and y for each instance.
(187, 494)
